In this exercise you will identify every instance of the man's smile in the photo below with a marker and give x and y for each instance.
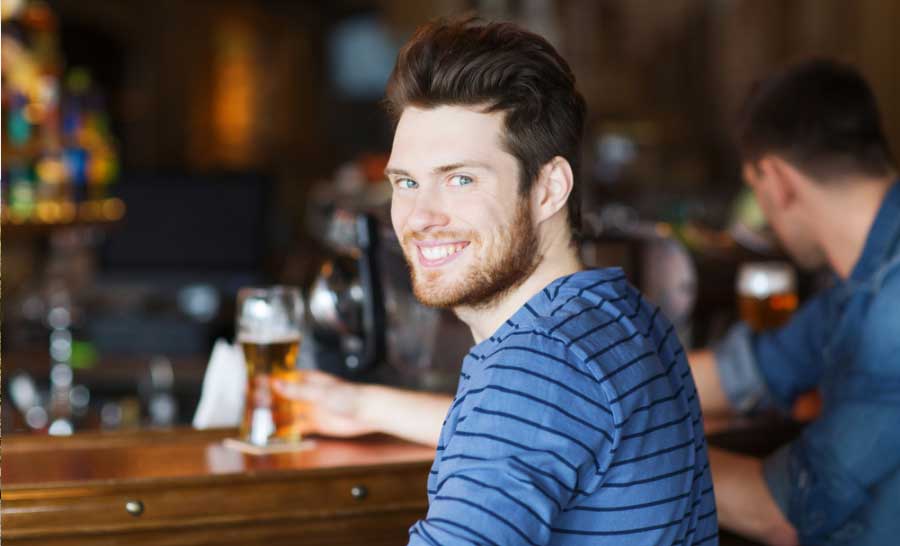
(438, 253)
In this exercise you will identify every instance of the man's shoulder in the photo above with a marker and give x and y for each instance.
(531, 360)
(535, 337)
(584, 300)
(550, 343)
(580, 330)
(880, 336)
(567, 323)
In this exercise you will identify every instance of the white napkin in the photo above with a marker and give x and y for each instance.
(222, 397)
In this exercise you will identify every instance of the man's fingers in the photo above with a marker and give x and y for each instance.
(293, 390)
(315, 377)
(300, 390)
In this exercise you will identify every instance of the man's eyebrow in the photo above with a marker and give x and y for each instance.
(440, 169)
(459, 165)
(399, 172)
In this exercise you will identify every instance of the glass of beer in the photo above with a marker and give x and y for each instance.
(268, 329)
(767, 297)
(767, 294)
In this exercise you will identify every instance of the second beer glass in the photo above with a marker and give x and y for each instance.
(767, 294)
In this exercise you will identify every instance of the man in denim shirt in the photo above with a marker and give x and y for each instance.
(815, 155)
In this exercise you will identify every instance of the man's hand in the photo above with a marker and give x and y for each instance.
(334, 403)
(343, 409)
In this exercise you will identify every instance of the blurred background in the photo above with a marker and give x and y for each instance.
(158, 155)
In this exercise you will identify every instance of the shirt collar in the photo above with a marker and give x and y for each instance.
(883, 236)
(549, 298)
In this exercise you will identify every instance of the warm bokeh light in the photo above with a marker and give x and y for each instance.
(234, 93)
(67, 212)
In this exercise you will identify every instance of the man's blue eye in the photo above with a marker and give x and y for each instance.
(461, 180)
(407, 184)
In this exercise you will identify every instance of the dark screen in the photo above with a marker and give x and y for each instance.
(189, 223)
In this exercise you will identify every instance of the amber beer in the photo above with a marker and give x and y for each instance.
(268, 416)
(767, 294)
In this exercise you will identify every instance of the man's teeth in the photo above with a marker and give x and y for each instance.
(438, 252)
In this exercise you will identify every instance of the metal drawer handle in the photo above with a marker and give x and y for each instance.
(359, 492)
(134, 507)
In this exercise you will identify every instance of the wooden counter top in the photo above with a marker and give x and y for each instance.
(184, 487)
(181, 454)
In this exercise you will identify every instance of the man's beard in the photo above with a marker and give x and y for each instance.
(513, 259)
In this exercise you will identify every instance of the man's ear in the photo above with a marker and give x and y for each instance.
(781, 179)
(552, 188)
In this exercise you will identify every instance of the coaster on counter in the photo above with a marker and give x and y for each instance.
(278, 447)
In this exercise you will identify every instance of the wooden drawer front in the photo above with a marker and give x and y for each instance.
(219, 502)
(376, 529)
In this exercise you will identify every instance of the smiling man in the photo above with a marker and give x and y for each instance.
(576, 419)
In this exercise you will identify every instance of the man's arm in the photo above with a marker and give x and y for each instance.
(713, 399)
(341, 408)
(746, 372)
(413, 416)
(521, 447)
(826, 481)
(743, 501)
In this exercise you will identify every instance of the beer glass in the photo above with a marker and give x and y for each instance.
(767, 294)
(268, 329)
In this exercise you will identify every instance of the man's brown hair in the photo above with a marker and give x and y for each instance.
(502, 68)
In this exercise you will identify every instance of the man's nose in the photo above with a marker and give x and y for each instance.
(428, 213)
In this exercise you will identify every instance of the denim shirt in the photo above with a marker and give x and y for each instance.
(839, 482)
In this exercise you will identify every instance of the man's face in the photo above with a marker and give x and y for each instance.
(787, 221)
(466, 234)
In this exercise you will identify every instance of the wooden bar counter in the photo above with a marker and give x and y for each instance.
(183, 487)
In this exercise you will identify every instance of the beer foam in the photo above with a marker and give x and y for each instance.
(268, 338)
(763, 279)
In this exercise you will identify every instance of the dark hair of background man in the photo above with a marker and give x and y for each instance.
(821, 116)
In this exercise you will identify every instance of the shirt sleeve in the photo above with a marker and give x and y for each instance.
(823, 477)
(530, 435)
(838, 463)
(770, 369)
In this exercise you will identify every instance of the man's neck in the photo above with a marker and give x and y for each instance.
(845, 219)
(557, 260)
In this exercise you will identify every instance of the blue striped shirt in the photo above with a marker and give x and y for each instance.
(577, 422)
